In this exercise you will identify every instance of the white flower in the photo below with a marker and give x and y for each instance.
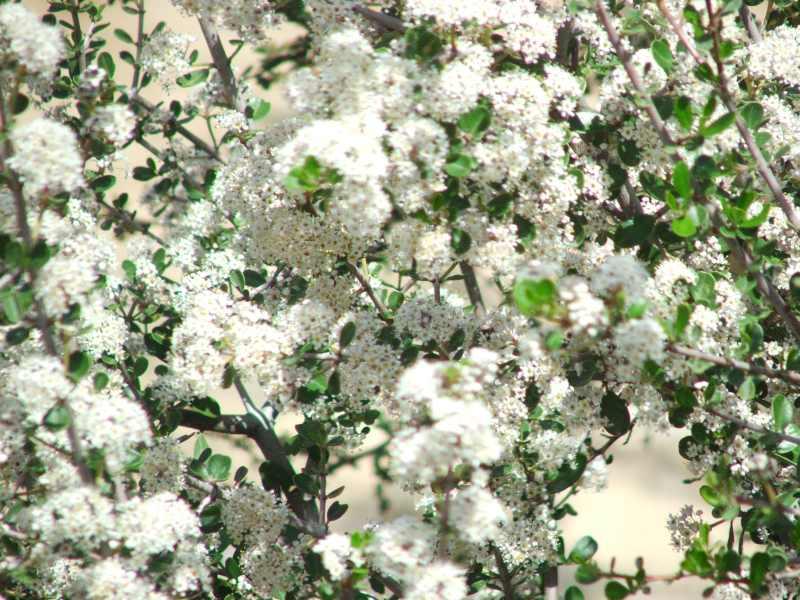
(477, 514)
(335, 550)
(251, 514)
(46, 157)
(24, 38)
(115, 123)
(441, 580)
(621, 273)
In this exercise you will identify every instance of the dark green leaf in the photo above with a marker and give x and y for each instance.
(684, 113)
(103, 183)
(123, 36)
(616, 591)
(336, 511)
(17, 335)
(573, 593)
(460, 241)
(79, 365)
(347, 334)
(615, 412)
(587, 573)
(21, 103)
(635, 231)
(759, 565)
(106, 62)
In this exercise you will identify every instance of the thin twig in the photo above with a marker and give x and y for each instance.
(505, 577)
(791, 377)
(745, 425)
(471, 283)
(633, 75)
(383, 20)
(382, 312)
(750, 24)
(137, 67)
(199, 143)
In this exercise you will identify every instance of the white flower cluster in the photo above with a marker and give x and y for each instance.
(46, 157)
(24, 39)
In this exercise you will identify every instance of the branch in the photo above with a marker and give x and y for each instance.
(551, 583)
(471, 283)
(762, 166)
(382, 312)
(633, 75)
(745, 425)
(220, 59)
(750, 24)
(790, 377)
(40, 316)
(199, 143)
(383, 20)
(505, 576)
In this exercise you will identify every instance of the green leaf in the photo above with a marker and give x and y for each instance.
(682, 180)
(193, 78)
(211, 518)
(703, 291)
(615, 412)
(759, 565)
(57, 418)
(684, 113)
(475, 122)
(258, 109)
(347, 334)
(336, 511)
(460, 241)
(106, 62)
(753, 115)
(554, 340)
(629, 153)
(634, 232)
(587, 573)
(531, 295)
(663, 55)
(461, 166)
(219, 467)
(21, 103)
(421, 44)
(719, 125)
(17, 335)
(200, 445)
(103, 183)
(100, 381)
(684, 227)
(585, 548)
(123, 36)
(747, 390)
(573, 593)
(616, 591)
(78, 365)
(782, 412)
(143, 173)
(313, 431)
(567, 475)
(712, 497)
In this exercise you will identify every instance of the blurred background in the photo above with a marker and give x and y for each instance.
(628, 519)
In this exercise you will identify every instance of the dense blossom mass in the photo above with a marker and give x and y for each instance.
(501, 234)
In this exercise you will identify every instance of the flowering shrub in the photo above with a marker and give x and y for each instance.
(623, 175)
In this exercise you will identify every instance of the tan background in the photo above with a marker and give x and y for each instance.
(627, 519)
